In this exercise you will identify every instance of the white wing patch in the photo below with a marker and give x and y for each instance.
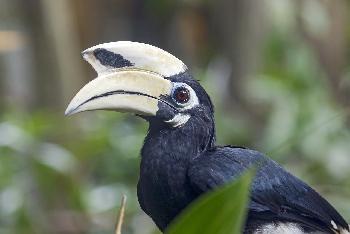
(337, 230)
(280, 228)
(334, 225)
(343, 231)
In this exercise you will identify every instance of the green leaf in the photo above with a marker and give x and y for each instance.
(222, 211)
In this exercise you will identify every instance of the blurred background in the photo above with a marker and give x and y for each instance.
(278, 72)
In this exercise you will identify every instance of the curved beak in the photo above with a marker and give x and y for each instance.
(125, 90)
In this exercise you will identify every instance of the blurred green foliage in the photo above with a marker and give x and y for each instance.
(66, 167)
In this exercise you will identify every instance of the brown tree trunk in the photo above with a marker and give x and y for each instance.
(239, 25)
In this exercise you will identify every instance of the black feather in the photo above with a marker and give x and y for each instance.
(180, 164)
(275, 193)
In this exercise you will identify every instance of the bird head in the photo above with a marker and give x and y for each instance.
(145, 80)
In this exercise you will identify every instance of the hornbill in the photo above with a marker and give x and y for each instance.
(179, 158)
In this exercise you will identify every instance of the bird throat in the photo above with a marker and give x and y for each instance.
(163, 188)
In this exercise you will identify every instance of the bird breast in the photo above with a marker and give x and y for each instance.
(163, 190)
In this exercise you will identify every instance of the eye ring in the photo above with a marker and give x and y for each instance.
(181, 95)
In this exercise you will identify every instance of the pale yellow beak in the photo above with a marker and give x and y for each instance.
(125, 90)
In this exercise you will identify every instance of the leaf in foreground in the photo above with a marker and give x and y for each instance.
(222, 211)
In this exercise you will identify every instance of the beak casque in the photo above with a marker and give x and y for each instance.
(108, 56)
(131, 78)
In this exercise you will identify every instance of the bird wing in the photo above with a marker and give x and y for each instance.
(275, 194)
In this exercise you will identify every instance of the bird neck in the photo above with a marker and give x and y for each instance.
(163, 187)
(179, 144)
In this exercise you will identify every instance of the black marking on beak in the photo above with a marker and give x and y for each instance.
(108, 58)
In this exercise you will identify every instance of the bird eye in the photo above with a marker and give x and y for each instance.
(181, 95)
